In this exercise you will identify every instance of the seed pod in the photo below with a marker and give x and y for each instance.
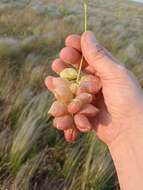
(63, 94)
(70, 135)
(89, 78)
(90, 87)
(86, 98)
(58, 82)
(74, 88)
(75, 106)
(58, 109)
(90, 84)
(49, 83)
(63, 122)
(82, 123)
(69, 74)
(89, 110)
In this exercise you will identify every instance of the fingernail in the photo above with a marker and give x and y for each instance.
(91, 37)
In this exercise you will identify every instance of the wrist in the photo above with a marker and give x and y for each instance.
(127, 154)
(130, 128)
(129, 136)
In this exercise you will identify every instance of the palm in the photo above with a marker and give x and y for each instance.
(116, 103)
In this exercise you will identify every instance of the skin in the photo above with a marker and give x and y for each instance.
(119, 122)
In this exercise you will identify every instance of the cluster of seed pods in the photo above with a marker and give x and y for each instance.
(74, 105)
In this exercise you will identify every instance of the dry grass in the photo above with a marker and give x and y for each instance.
(35, 156)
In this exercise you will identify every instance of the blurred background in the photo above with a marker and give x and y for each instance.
(33, 155)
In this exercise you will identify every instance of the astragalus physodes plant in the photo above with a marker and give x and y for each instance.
(75, 91)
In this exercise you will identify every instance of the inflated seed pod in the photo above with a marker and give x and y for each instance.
(54, 82)
(75, 106)
(89, 110)
(86, 98)
(58, 109)
(49, 83)
(57, 81)
(82, 123)
(77, 103)
(71, 135)
(74, 87)
(69, 74)
(88, 77)
(90, 84)
(63, 122)
(63, 94)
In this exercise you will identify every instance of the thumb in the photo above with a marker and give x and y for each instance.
(97, 56)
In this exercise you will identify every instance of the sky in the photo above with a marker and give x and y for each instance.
(138, 1)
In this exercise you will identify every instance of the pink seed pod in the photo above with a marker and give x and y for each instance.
(89, 110)
(49, 83)
(82, 123)
(70, 135)
(74, 88)
(57, 81)
(63, 122)
(58, 109)
(86, 98)
(63, 94)
(90, 78)
(89, 87)
(75, 106)
(90, 84)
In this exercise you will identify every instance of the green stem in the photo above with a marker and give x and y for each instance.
(85, 29)
(85, 16)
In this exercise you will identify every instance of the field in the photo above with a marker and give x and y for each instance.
(33, 155)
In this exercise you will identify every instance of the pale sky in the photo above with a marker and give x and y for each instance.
(138, 1)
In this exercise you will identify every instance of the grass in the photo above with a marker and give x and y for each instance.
(33, 154)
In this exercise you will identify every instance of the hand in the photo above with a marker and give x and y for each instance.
(120, 101)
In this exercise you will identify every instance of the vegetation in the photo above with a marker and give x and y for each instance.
(33, 155)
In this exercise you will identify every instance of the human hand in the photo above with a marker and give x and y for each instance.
(120, 101)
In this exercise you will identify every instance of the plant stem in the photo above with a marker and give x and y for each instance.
(85, 16)
(85, 29)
